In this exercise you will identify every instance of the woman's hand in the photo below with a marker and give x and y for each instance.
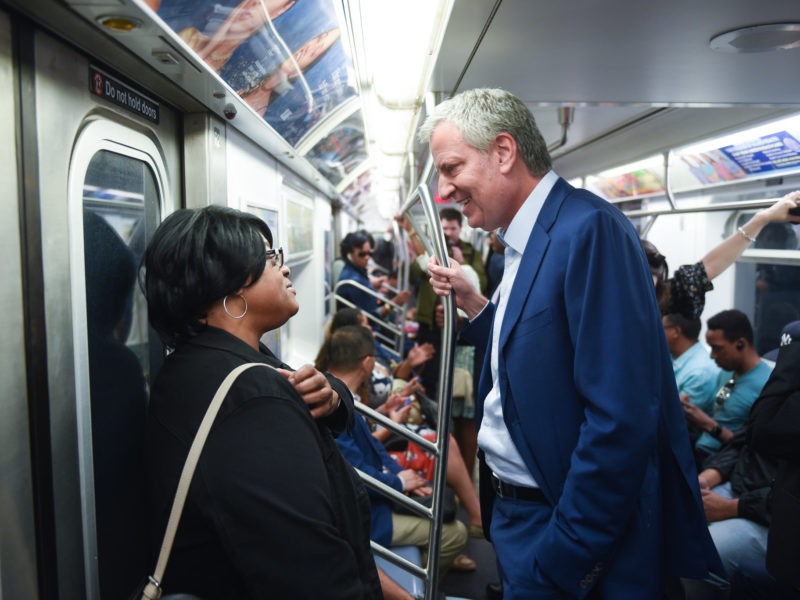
(420, 354)
(779, 212)
(315, 389)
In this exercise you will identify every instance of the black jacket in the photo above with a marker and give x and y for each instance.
(273, 511)
(775, 432)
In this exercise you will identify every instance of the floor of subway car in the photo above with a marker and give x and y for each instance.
(472, 584)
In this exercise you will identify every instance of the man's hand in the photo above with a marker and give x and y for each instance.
(402, 297)
(413, 482)
(452, 278)
(315, 389)
(696, 416)
(412, 386)
(719, 508)
(709, 478)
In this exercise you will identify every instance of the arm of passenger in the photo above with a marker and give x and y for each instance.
(754, 505)
(278, 528)
(725, 254)
(606, 288)
(355, 455)
(695, 387)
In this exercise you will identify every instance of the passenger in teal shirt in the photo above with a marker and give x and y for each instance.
(720, 414)
(732, 412)
(695, 372)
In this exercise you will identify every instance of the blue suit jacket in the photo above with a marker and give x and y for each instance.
(589, 399)
(367, 454)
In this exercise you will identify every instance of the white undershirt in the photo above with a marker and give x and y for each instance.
(494, 439)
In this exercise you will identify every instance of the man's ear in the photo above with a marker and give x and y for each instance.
(505, 151)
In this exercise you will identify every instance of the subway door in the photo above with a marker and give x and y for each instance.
(107, 178)
(18, 571)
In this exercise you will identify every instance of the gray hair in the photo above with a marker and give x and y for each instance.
(483, 113)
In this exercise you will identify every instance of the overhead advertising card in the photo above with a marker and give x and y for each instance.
(341, 151)
(780, 150)
(285, 58)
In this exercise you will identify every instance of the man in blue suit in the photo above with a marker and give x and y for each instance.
(588, 485)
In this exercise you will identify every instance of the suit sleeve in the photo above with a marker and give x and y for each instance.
(618, 348)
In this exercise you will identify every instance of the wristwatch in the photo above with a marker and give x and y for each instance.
(716, 431)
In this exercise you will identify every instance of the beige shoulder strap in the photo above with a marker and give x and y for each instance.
(152, 590)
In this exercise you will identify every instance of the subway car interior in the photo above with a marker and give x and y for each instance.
(684, 115)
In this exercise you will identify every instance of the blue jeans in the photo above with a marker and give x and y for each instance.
(737, 540)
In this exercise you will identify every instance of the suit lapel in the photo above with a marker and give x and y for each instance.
(532, 256)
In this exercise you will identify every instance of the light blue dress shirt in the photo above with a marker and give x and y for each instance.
(696, 374)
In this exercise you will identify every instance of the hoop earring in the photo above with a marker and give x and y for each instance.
(227, 312)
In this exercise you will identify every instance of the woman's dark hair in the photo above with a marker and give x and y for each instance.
(196, 257)
(658, 267)
(351, 241)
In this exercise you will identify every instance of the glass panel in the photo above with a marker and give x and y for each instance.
(120, 212)
(775, 236)
(284, 58)
(341, 151)
(771, 292)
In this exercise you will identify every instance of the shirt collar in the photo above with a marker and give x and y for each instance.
(519, 230)
(688, 355)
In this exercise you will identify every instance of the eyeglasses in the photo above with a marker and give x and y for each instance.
(276, 256)
(723, 394)
(363, 253)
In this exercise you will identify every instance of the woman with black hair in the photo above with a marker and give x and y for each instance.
(685, 292)
(273, 510)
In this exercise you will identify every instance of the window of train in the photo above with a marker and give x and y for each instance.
(120, 212)
(768, 281)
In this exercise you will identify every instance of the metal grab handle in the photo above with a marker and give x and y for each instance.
(445, 390)
(395, 346)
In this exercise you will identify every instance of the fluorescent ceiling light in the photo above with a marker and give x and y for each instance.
(401, 41)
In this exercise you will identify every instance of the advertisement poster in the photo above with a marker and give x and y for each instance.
(768, 153)
(283, 57)
(299, 225)
(341, 151)
(627, 185)
(713, 166)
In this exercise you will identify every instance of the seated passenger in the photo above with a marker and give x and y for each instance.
(743, 374)
(351, 358)
(775, 433)
(251, 526)
(356, 250)
(685, 292)
(386, 368)
(735, 484)
(695, 372)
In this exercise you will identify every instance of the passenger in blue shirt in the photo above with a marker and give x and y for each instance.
(695, 372)
(730, 337)
(356, 249)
